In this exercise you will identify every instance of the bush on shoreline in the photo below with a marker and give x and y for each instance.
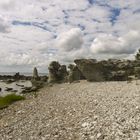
(9, 99)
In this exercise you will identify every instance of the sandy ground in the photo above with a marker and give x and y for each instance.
(78, 111)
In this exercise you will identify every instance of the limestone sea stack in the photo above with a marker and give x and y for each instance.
(35, 74)
(91, 69)
(57, 72)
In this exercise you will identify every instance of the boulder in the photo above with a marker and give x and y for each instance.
(8, 89)
(19, 85)
(91, 69)
(53, 71)
(35, 74)
(37, 83)
(74, 74)
(17, 76)
(14, 91)
(29, 90)
(137, 72)
(9, 81)
(57, 72)
(118, 76)
(44, 78)
(62, 73)
(114, 65)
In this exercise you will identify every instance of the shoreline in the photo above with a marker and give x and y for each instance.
(84, 110)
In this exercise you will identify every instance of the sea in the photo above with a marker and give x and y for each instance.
(16, 86)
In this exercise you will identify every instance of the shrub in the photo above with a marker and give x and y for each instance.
(9, 99)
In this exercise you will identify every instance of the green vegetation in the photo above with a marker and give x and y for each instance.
(9, 99)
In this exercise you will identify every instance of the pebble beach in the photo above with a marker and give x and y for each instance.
(77, 111)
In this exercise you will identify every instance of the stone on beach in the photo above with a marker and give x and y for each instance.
(82, 111)
(57, 72)
(91, 70)
(74, 74)
(35, 74)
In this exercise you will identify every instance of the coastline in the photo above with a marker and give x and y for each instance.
(84, 110)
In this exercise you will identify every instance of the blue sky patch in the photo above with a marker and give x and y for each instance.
(115, 13)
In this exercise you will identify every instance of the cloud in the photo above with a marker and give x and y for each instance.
(4, 25)
(109, 44)
(70, 41)
(7, 4)
(105, 32)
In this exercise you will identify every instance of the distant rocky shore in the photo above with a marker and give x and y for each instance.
(95, 71)
(87, 69)
(83, 69)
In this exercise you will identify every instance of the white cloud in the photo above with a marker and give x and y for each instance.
(4, 25)
(7, 4)
(109, 44)
(70, 41)
(30, 45)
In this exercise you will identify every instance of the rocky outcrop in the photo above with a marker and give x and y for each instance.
(44, 78)
(74, 74)
(8, 89)
(118, 76)
(35, 74)
(57, 72)
(137, 72)
(17, 76)
(91, 69)
(62, 73)
(13, 78)
(29, 90)
(108, 70)
(117, 70)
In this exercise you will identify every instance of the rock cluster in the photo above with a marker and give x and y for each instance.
(57, 72)
(93, 70)
(13, 78)
(108, 70)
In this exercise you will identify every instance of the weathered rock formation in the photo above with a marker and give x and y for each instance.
(17, 76)
(62, 72)
(91, 69)
(137, 72)
(35, 74)
(74, 74)
(57, 73)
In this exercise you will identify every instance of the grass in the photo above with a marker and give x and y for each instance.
(9, 99)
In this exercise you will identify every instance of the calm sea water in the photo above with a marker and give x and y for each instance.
(14, 86)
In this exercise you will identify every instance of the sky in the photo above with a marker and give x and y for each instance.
(36, 32)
